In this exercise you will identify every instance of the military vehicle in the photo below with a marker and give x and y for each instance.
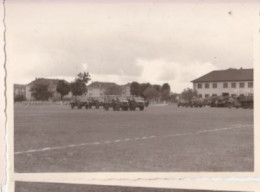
(183, 103)
(246, 101)
(233, 102)
(123, 103)
(116, 103)
(196, 102)
(219, 101)
(79, 102)
(108, 102)
(136, 102)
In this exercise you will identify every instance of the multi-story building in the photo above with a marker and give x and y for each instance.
(228, 82)
(99, 89)
(20, 90)
(52, 86)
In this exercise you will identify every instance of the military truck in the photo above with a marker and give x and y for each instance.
(123, 103)
(233, 102)
(196, 102)
(116, 103)
(108, 103)
(79, 102)
(246, 101)
(136, 102)
(219, 101)
(183, 103)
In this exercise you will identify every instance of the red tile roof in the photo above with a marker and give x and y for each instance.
(227, 75)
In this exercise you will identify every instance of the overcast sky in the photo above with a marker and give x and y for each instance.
(123, 42)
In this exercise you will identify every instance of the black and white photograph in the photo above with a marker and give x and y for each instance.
(58, 187)
(131, 86)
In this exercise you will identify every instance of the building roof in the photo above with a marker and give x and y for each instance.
(97, 84)
(230, 74)
(16, 86)
(45, 81)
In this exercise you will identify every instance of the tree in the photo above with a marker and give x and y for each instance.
(113, 90)
(63, 88)
(78, 87)
(166, 87)
(85, 77)
(165, 91)
(188, 94)
(143, 86)
(135, 88)
(157, 87)
(151, 93)
(41, 92)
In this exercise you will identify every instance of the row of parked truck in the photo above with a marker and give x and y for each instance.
(115, 103)
(220, 101)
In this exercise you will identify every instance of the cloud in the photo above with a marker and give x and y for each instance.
(163, 43)
(177, 74)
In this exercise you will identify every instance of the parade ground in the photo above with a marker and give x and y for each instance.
(162, 138)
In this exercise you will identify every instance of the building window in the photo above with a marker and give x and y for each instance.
(200, 96)
(206, 85)
(233, 85)
(215, 85)
(225, 85)
(206, 95)
(250, 85)
(214, 95)
(199, 85)
(241, 85)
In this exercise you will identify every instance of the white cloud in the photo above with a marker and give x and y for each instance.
(173, 42)
(178, 75)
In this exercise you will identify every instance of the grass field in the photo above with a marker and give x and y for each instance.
(55, 138)
(43, 187)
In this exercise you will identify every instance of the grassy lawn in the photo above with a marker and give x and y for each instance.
(43, 187)
(161, 138)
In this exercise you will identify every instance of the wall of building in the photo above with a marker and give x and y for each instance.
(126, 91)
(19, 91)
(28, 93)
(95, 92)
(204, 92)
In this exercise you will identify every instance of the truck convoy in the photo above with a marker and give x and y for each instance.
(242, 101)
(116, 103)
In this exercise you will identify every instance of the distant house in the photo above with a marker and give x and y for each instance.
(52, 86)
(126, 89)
(99, 89)
(227, 82)
(19, 90)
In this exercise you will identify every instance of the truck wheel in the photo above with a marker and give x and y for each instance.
(72, 106)
(141, 108)
(86, 107)
(79, 107)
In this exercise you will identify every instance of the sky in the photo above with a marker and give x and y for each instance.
(121, 41)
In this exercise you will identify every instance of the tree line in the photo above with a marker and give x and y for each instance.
(151, 92)
(78, 87)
